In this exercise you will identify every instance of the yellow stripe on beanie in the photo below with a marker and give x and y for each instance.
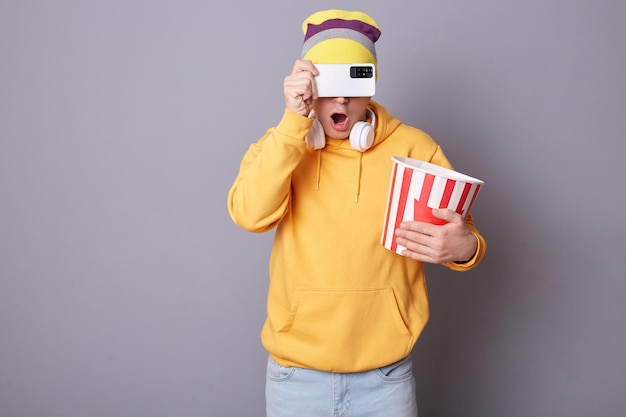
(321, 16)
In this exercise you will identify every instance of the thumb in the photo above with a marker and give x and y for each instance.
(446, 214)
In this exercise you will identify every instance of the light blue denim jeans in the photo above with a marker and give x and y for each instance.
(383, 392)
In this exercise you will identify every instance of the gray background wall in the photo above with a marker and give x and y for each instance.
(126, 291)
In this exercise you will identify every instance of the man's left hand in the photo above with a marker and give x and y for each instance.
(437, 244)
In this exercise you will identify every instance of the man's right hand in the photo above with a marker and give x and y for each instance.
(299, 89)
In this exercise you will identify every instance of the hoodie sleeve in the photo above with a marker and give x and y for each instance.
(259, 196)
(440, 159)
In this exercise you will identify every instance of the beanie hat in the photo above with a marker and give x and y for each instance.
(340, 37)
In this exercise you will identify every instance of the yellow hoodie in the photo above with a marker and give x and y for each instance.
(337, 299)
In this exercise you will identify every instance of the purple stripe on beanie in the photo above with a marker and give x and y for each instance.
(368, 30)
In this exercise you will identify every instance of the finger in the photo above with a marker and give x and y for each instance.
(417, 227)
(304, 66)
(446, 214)
(300, 83)
(418, 253)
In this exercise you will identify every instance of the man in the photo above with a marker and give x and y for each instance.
(343, 312)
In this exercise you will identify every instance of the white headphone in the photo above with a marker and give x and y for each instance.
(361, 134)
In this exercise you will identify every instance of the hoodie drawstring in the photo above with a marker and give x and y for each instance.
(319, 167)
(358, 179)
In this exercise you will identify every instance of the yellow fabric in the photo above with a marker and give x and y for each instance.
(324, 15)
(337, 299)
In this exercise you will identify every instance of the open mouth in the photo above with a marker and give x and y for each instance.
(339, 120)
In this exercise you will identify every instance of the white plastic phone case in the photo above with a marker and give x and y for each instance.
(346, 80)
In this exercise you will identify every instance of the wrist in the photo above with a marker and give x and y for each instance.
(471, 252)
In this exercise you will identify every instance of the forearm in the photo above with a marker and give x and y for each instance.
(259, 196)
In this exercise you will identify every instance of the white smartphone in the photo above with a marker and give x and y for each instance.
(346, 80)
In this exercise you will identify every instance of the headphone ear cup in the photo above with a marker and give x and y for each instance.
(316, 139)
(362, 136)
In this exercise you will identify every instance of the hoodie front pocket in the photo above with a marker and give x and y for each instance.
(345, 330)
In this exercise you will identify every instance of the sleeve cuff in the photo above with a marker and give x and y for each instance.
(471, 262)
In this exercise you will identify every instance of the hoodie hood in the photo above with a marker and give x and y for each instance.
(385, 125)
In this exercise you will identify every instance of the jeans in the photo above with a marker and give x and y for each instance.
(385, 392)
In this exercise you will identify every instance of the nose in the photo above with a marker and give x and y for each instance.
(342, 100)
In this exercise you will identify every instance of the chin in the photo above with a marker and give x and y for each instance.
(338, 134)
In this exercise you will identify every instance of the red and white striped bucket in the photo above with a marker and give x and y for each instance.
(416, 187)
